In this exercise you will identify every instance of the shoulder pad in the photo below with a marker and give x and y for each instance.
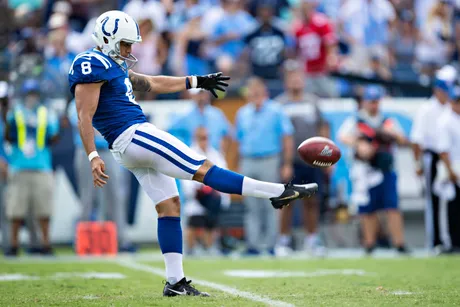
(90, 67)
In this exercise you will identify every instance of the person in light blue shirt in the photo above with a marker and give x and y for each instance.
(113, 204)
(203, 114)
(31, 128)
(229, 37)
(261, 129)
(264, 133)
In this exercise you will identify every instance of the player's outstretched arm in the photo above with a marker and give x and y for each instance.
(167, 84)
(87, 99)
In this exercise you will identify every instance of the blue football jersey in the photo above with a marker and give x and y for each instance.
(117, 109)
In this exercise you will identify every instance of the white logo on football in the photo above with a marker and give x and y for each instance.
(326, 152)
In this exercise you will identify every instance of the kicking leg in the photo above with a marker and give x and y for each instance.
(233, 183)
(166, 154)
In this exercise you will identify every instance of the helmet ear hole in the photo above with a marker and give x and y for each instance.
(106, 40)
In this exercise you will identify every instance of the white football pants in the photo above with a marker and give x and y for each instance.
(156, 157)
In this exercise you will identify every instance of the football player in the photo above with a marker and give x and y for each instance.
(103, 83)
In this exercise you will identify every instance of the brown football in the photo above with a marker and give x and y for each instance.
(319, 152)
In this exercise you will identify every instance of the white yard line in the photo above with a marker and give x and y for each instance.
(351, 253)
(90, 297)
(286, 274)
(232, 291)
(402, 292)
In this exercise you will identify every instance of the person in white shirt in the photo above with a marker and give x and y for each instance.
(423, 138)
(203, 204)
(447, 183)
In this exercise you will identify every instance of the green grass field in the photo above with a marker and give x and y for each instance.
(233, 282)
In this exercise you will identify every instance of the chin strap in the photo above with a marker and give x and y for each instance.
(132, 60)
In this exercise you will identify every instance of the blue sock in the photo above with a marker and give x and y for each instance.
(170, 240)
(170, 234)
(224, 180)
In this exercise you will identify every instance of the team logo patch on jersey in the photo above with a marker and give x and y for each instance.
(326, 152)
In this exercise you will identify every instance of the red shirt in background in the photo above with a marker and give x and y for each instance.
(312, 39)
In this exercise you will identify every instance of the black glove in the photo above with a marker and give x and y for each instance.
(212, 82)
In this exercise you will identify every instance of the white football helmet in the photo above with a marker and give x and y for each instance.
(111, 28)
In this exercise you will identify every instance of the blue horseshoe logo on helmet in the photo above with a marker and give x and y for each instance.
(104, 21)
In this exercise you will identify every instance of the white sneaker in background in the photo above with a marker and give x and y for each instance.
(283, 251)
(314, 246)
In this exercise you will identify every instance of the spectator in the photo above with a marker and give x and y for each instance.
(31, 128)
(434, 47)
(55, 85)
(280, 7)
(212, 17)
(447, 181)
(372, 136)
(29, 4)
(205, 115)
(422, 10)
(317, 47)
(151, 53)
(264, 134)
(456, 40)
(203, 204)
(424, 139)
(378, 69)
(6, 30)
(74, 42)
(180, 15)
(84, 11)
(112, 205)
(403, 42)
(4, 226)
(27, 59)
(154, 10)
(190, 53)
(331, 8)
(57, 66)
(267, 47)
(306, 118)
(366, 27)
(229, 38)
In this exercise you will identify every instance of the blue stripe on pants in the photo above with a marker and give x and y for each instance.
(166, 156)
(170, 147)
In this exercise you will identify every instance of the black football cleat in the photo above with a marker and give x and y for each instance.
(403, 250)
(293, 192)
(182, 287)
(369, 250)
(11, 252)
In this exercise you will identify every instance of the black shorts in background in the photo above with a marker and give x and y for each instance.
(304, 174)
(202, 221)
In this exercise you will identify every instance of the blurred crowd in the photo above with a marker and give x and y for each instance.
(279, 53)
(401, 40)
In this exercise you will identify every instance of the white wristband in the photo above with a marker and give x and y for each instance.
(92, 155)
(193, 82)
